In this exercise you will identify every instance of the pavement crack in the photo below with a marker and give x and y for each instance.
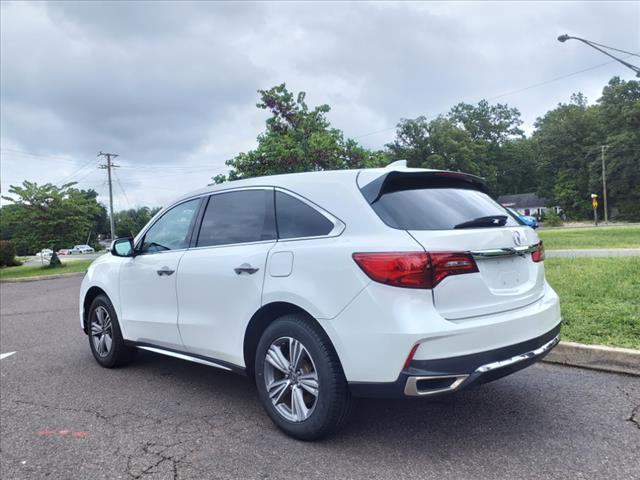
(635, 416)
(154, 455)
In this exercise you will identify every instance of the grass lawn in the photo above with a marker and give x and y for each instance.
(37, 270)
(600, 299)
(596, 237)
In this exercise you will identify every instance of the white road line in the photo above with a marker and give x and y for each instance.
(5, 355)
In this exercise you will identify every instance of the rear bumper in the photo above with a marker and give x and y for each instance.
(441, 376)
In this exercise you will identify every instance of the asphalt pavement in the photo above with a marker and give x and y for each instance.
(64, 417)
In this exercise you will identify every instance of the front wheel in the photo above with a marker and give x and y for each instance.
(105, 337)
(300, 379)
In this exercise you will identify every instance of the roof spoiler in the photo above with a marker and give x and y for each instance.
(397, 180)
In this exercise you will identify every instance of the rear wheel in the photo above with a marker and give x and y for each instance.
(300, 380)
(105, 337)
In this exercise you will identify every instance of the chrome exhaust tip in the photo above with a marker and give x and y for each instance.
(421, 386)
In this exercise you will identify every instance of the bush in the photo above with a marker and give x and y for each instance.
(552, 219)
(8, 254)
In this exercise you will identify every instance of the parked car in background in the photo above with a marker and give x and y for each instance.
(44, 253)
(78, 249)
(526, 219)
(63, 251)
(321, 286)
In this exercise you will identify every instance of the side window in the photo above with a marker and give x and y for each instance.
(238, 217)
(297, 219)
(172, 230)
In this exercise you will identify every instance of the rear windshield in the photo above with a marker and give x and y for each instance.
(440, 209)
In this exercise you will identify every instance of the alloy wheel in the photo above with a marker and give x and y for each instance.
(291, 379)
(101, 331)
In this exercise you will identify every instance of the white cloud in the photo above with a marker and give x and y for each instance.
(171, 86)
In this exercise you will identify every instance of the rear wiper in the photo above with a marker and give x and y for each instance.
(488, 221)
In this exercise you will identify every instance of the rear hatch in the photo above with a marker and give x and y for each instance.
(452, 212)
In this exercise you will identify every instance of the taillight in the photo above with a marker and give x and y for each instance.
(538, 254)
(407, 270)
(445, 264)
(414, 269)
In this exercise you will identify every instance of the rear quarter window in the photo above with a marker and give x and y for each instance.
(437, 208)
(296, 219)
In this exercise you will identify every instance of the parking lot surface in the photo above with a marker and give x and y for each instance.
(64, 417)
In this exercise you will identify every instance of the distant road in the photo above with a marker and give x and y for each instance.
(33, 260)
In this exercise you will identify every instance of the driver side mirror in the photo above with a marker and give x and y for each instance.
(123, 247)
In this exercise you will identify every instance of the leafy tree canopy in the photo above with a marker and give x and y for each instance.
(298, 139)
(47, 216)
(130, 222)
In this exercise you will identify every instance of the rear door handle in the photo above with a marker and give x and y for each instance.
(245, 268)
(165, 271)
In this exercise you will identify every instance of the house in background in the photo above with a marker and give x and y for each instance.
(528, 204)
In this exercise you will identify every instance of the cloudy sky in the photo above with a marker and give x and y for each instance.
(171, 87)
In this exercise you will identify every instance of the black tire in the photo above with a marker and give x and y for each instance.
(118, 354)
(333, 403)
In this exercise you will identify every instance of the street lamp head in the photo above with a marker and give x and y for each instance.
(563, 38)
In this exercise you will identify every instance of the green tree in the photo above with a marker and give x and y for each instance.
(497, 126)
(568, 143)
(516, 167)
(297, 139)
(494, 124)
(618, 114)
(129, 222)
(564, 140)
(482, 139)
(438, 144)
(48, 216)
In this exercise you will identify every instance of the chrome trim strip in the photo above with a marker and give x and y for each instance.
(338, 225)
(519, 358)
(182, 356)
(503, 252)
(411, 387)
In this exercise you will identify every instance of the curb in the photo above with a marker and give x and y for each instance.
(41, 277)
(596, 357)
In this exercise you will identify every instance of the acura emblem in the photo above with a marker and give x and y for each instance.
(517, 239)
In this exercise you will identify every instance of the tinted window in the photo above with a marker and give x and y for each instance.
(238, 217)
(172, 230)
(436, 208)
(297, 219)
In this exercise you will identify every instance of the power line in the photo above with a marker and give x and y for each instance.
(122, 189)
(21, 152)
(616, 49)
(69, 177)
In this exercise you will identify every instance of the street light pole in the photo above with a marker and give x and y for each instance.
(565, 37)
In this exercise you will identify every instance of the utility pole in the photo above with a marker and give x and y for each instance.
(604, 183)
(108, 168)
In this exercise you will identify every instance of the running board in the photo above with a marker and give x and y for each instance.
(184, 356)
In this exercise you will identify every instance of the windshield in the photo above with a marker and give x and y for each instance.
(441, 209)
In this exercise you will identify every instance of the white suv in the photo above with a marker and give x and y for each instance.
(321, 286)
